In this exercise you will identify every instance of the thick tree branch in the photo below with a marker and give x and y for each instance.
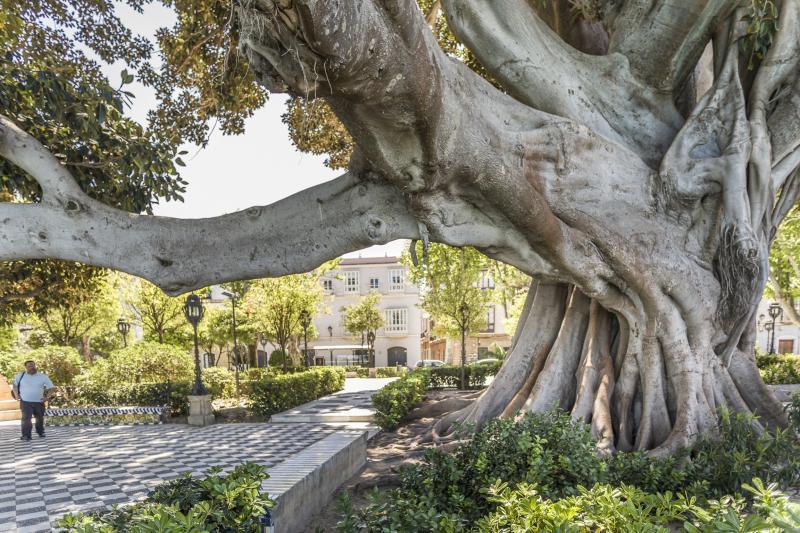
(664, 39)
(293, 235)
(778, 66)
(26, 152)
(541, 70)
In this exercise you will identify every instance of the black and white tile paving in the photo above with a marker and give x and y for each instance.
(84, 468)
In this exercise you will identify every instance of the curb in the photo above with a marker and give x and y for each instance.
(303, 484)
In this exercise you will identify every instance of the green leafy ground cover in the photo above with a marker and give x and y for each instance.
(543, 473)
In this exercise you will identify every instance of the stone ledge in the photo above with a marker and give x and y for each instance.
(303, 484)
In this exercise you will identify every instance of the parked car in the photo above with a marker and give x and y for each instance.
(487, 361)
(429, 363)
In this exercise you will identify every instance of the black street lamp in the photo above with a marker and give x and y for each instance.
(235, 344)
(123, 327)
(774, 311)
(193, 309)
(462, 310)
(371, 348)
(330, 334)
(305, 321)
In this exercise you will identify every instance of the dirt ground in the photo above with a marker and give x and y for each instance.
(386, 452)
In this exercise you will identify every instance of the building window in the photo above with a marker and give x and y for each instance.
(351, 282)
(327, 285)
(396, 320)
(397, 280)
(487, 281)
(490, 320)
(373, 283)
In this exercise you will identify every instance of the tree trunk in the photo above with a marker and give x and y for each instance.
(86, 350)
(463, 379)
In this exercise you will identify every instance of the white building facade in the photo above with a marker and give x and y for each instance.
(398, 341)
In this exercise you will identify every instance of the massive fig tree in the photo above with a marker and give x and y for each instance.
(635, 161)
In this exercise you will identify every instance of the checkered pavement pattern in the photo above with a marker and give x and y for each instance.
(87, 468)
(340, 402)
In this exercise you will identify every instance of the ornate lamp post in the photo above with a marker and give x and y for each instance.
(237, 363)
(200, 413)
(768, 328)
(123, 327)
(462, 310)
(774, 311)
(330, 334)
(193, 309)
(305, 321)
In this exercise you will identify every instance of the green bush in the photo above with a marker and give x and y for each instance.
(779, 369)
(145, 362)
(394, 401)
(450, 375)
(276, 359)
(629, 509)
(277, 393)
(556, 456)
(62, 364)
(360, 371)
(218, 502)
(220, 382)
(389, 371)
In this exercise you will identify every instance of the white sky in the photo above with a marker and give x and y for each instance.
(233, 172)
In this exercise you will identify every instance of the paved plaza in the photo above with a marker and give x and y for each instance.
(352, 404)
(91, 467)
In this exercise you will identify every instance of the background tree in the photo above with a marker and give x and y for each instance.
(784, 260)
(452, 293)
(215, 332)
(274, 306)
(636, 160)
(364, 319)
(78, 312)
(160, 315)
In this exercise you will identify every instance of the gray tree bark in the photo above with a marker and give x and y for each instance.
(643, 210)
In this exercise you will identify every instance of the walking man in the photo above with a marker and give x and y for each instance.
(32, 388)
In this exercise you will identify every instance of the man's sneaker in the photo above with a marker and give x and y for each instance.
(25, 438)
(41, 435)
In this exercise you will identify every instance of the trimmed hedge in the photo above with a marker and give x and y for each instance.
(274, 394)
(390, 371)
(359, 371)
(779, 369)
(394, 401)
(450, 375)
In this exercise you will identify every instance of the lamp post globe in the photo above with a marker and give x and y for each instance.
(775, 310)
(193, 310)
(123, 328)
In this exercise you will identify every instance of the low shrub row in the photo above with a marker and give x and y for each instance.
(274, 394)
(390, 371)
(554, 480)
(359, 371)
(450, 375)
(218, 502)
(779, 369)
(394, 401)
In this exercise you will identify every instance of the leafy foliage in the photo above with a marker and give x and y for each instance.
(275, 305)
(450, 376)
(274, 394)
(145, 362)
(61, 364)
(779, 369)
(394, 401)
(160, 315)
(88, 393)
(217, 502)
(364, 318)
(784, 262)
